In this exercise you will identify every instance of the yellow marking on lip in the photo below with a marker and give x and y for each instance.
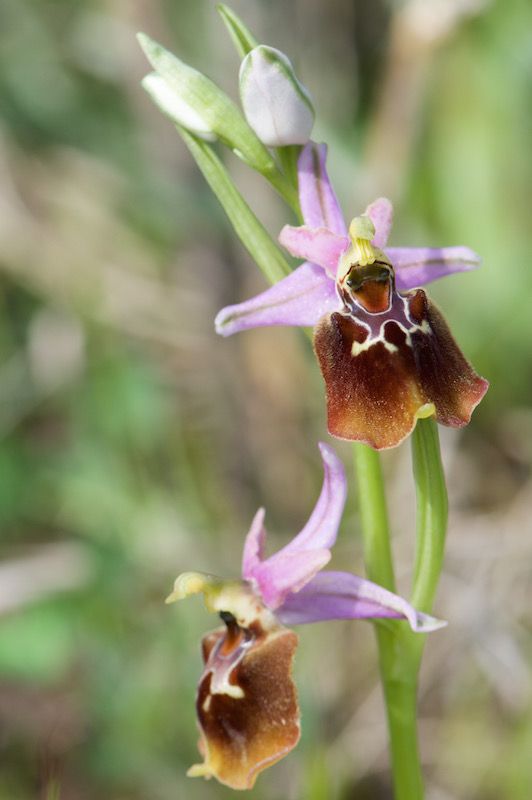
(199, 771)
(236, 692)
(361, 347)
(425, 411)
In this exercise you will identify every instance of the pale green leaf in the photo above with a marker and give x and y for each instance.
(250, 231)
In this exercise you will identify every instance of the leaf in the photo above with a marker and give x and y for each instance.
(242, 37)
(249, 230)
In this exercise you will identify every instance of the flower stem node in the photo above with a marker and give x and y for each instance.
(276, 104)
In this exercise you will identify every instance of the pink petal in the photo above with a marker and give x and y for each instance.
(284, 573)
(416, 266)
(301, 298)
(381, 214)
(319, 204)
(318, 245)
(322, 527)
(293, 566)
(254, 545)
(342, 595)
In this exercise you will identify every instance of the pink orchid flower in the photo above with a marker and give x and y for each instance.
(247, 703)
(386, 354)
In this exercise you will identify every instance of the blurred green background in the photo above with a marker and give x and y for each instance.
(135, 444)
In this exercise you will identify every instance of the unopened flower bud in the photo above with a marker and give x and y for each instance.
(173, 105)
(276, 105)
(196, 103)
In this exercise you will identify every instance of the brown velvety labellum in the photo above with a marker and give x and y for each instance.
(371, 396)
(241, 736)
(446, 377)
(374, 390)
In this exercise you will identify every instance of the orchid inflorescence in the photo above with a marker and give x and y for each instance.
(387, 358)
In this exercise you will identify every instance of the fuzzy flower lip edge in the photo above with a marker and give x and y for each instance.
(291, 584)
(302, 298)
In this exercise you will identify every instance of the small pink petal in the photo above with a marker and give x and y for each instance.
(284, 573)
(254, 546)
(381, 214)
(322, 527)
(302, 298)
(294, 565)
(318, 245)
(319, 204)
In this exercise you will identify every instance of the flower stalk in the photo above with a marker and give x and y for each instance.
(399, 652)
(431, 495)
(247, 227)
(398, 675)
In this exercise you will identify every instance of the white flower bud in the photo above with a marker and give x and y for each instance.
(176, 108)
(276, 105)
(193, 101)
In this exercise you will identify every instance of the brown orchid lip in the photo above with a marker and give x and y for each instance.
(380, 381)
(247, 702)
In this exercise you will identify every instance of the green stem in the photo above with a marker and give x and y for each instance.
(431, 495)
(288, 157)
(374, 517)
(398, 679)
(400, 650)
(432, 507)
(400, 695)
(284, 188)
(247, 227)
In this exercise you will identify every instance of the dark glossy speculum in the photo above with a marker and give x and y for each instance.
(369, 286)
(234, 636)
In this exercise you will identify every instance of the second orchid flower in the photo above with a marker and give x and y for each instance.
(247, 704)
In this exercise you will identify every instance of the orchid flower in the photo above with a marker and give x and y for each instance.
(386, 353)
(247, 703)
